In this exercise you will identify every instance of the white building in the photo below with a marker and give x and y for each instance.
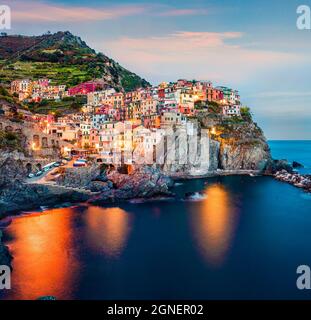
(96, 98)
(231, 110)
(168, 119)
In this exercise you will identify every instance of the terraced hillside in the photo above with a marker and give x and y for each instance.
(62, 57)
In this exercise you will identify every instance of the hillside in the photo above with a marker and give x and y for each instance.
(63, 58)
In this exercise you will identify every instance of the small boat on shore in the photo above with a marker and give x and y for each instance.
(5, 222)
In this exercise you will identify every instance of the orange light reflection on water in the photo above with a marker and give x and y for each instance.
(214, 224)
(43, 261)
(108, 229)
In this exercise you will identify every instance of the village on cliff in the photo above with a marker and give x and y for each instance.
(113, 122)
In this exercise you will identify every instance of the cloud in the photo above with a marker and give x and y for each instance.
(183, 12)
(203, 55)
(35, 11)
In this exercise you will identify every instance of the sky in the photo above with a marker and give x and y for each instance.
(253, 46)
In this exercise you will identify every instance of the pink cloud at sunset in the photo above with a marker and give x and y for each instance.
(188, 53)
(183, 12)
(45, 12)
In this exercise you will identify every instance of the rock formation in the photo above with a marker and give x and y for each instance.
(16, 195)
(297, 180)
(5, 257)
(143, 182)
(243, 147)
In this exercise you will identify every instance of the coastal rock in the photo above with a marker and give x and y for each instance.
(5, 256)
(17, 195)
(12, 172)
(295, 179)
(274, 166)
(31, 196)
(143, 182)
(100, 186)
(79, 177)
(297, 164)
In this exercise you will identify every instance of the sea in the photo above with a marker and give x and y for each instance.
(237, 237)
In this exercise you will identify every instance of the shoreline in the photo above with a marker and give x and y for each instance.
(74, 196)
(220, 173)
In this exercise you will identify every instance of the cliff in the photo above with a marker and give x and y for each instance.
(217, 144)
(242, 144)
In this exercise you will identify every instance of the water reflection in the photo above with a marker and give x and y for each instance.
(214, 223)
(44, 263)
(108, 229)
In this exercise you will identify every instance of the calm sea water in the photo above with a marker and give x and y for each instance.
(245, 239)
(293, 151)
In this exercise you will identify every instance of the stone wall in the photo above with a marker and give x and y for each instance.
(35, 142)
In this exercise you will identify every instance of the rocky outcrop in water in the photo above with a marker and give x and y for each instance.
(274, 166)
(297, 164)
(143, 182)
(295, 179)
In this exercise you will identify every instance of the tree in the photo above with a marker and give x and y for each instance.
(246, 113)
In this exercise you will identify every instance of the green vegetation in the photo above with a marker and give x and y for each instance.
(5, 95)
(200, 105)
(234, 120)
(246, 114)
(67, 105)
(63, 58)
(10, 141)
(214, 107)
(70, 75)
(130, 81)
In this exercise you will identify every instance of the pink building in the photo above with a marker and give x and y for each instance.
(44, 82)
(84, 88)
(214, 94)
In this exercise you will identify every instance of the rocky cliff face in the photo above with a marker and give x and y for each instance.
(234, 146)
(12, 173)
(242, 144)
(243, 147)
